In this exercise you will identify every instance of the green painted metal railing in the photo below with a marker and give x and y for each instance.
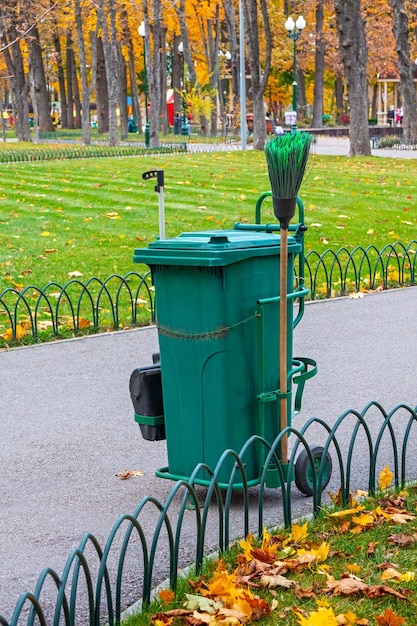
(90, 589)
(77, 151)
(338, 273)
(38, 314)
(76, 307)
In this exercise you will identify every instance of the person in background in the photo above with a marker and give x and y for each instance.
(399, 116)
(391, 116)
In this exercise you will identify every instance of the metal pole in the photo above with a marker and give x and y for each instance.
(145, 80)
(243, 130)
(294, 84)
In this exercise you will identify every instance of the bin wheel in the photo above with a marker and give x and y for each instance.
(304, 477)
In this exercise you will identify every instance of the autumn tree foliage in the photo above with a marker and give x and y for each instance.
(88, 57)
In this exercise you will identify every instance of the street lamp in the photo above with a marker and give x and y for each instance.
(184, 127)
(142, 33)
(294, 32)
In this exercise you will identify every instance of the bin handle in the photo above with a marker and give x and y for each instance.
(300, 380)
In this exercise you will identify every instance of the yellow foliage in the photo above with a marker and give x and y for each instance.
(385, 478)
(298, 533)
(321, 617)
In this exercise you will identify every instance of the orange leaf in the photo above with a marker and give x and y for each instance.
(166, 595)
(389, 618)
(83, 323)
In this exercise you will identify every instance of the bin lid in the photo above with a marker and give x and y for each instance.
(213, 248)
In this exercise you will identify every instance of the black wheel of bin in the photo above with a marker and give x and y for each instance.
(304, 476)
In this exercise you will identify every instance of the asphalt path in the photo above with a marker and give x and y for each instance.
(67, 423)
(67, 426)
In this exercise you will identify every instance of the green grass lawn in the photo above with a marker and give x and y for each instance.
(87, 216)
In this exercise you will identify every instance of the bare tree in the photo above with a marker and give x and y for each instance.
(354, 51)
(405, 68)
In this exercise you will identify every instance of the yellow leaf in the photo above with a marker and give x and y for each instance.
(20, 332)
(349, 618)
(385, 478)
(354, 568)
(390, 574)
(347, 512)
(298, 533)
(113, 215)
(364, 519)
(322, 552)
(45, 233)
(321, 617)
(408, 576)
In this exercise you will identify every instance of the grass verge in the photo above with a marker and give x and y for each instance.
(348, 567)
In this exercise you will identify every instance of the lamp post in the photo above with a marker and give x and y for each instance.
(142, 33)
(294, 32)
(184, 126)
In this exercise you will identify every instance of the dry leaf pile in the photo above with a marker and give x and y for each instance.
(279, 565)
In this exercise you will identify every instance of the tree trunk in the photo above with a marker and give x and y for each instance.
(19, 84)
(213, 48)
(61, 79)
(338, 92)
(405, 69)
(77, 100)
(34, 106)
(102, 93)
(110, 59)
(258, 79)
(153, 66)
(122, 92)
(39, 90)
(70, 63)
(127, 40)
(164, 111)
(317, 121)
(85, 94)
(176, 77)
(354, 51)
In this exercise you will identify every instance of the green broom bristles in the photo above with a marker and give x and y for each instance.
(287, 157)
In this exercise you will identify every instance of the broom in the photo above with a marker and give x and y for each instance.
(286, 157)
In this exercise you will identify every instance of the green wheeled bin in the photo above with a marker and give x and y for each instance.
(217, 310)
